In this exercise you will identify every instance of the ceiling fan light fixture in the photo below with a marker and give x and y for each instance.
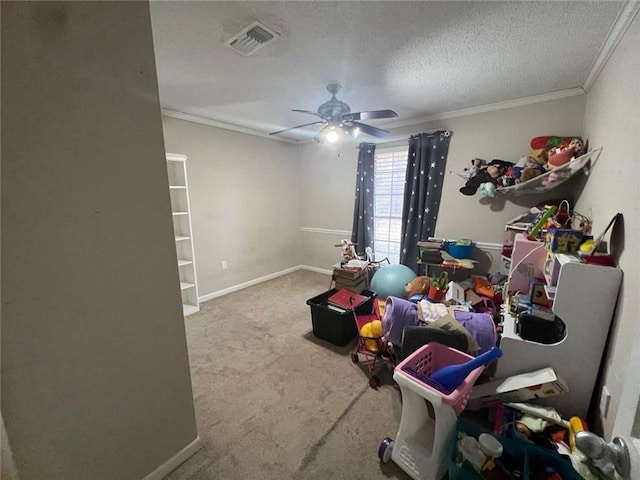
(332, 134)
(353, 131)
(339, 120)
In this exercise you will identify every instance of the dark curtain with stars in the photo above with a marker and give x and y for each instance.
(362, 231)
(423, 189)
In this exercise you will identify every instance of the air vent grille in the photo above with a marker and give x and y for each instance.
(252, 38)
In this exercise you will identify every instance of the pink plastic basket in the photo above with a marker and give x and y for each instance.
(430, 358)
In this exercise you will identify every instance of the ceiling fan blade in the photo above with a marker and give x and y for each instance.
(309, 112)
(369, 130)
(299, 126)
(372, 115)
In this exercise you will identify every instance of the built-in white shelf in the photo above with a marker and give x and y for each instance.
(189, 309)
(181, 213)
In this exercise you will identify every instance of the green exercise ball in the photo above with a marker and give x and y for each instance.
(389, 280)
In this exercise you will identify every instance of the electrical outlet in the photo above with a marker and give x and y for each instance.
(605, 400)
(223, 264)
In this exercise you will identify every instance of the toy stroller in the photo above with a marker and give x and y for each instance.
(372, 346)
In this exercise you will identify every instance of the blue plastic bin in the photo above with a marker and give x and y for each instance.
(460, 251)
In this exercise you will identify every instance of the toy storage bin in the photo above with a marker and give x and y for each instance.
(526, 457)
(428, 415)
(336, 325)
(514, 453)
(460, 251)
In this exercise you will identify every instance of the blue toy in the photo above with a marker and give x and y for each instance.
(389, 280)
(452, 376)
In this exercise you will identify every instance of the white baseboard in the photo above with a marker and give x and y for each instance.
(316, 269)
(170, 465)
(240, 286)
(250, 283)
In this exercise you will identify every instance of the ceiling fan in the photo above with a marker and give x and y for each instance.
(338, 119)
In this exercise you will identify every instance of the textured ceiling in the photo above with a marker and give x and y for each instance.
(417, 58)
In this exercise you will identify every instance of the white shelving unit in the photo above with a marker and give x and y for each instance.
(585, 298)
(181, 213)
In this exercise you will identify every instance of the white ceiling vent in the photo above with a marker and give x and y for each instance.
(252, 38)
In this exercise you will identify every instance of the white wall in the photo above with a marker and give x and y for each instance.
(612, 118)
(244, 195)
(95, 373)
(328, 174)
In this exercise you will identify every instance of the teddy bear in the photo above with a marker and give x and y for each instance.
(491, 173)
(418, 286)
(529, 172)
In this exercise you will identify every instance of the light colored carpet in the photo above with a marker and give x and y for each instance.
(274, 402)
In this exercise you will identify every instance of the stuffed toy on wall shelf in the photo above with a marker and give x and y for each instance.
(490, 173)
(547, 153)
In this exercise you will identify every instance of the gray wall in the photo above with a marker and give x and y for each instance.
(328, 181)
(95, 374)
(328, 174)
(244, 195)
(612, 119)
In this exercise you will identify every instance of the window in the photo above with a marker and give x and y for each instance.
(390, 166)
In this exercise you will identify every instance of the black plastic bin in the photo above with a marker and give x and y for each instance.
(337, 326)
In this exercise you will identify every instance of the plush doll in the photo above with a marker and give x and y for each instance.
(476, 165)
(559, 156)
(418, 286)
(550, 141)
(489, 174)
(512, 174)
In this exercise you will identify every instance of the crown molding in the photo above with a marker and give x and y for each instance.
(517, 102)
(224, 125)
(624, 19)
(491, 107)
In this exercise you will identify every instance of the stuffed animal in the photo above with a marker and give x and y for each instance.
(529, 172)
(476, 165)
(539, 155)
(348, 250)
(512, 174)
(551, 141)
(489, 174)
(418, 286)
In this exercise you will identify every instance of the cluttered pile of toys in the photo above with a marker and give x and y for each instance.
(546, 154)
(533, 441)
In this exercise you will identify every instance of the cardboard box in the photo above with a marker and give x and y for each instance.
(518, 388)
(454, 292)
(562, 240)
